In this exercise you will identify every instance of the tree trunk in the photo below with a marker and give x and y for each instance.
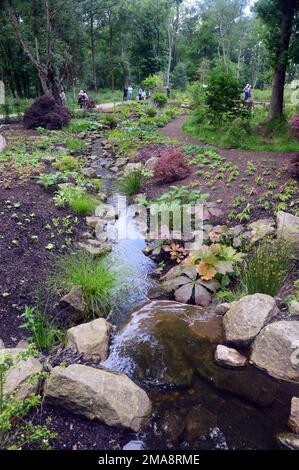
(281, 62)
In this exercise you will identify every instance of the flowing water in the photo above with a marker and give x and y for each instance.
(168, 350)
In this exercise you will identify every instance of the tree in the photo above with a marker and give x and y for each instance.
(279, 16)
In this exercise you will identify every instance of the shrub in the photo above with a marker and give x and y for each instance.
(46, 113)
(66, 163)
(160, 99)
(171, 167)
(131, 184)
(237, 132)
(44, 332)
(152, 82)
(294, 123)
(110, 121)
(266, 267)
(94, 277)
(151, 112)
(223, 96)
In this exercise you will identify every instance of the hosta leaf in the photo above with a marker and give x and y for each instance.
(184, 293)
(202, 296)
(206, 271)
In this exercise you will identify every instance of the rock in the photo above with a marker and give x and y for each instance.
(98, 394)
(95, 247)
(121, 161)
(102, 197)
(91, 339)
(294, 415)
(156, 273)
(167, 343)
(245, 319)
(132, 167)
(2, 143)
(89, 172)
(23, 344)
(199, 422)
(134, 445)
(93, 221)
(73, 303)
(2, 346)
(155, 292)
(276, 350)
(19, 377)
(261, 228)
(294, 308)
(288, 440)
(229, 357)
(151, 163)
(221, 309)
(288, 227)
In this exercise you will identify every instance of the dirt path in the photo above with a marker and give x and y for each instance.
(173, 130)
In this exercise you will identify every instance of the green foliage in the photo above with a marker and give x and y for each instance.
(66, 163)
(266, 268)
(83, 125)
(179, 77)
(223, 96)
(160, 99)
(76, 199)
(44, 332)
(131, 183)
(203, 272)
(152, 82)
(151, 112)
(50, 179)
(16, 432)
(75, 145)
(93, 275)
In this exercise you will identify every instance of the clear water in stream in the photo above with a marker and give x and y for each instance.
(199, 416)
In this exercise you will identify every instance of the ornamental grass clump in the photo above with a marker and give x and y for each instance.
(266, 267)
(131, 184)
(92, 274)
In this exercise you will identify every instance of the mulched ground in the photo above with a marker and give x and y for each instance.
(25, 211)
(281, 167)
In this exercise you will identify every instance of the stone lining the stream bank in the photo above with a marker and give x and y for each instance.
(2, 143)
(91, 339)
(98, 394)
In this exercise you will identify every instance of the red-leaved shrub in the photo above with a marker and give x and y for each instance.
(171, 167)
(46, 113)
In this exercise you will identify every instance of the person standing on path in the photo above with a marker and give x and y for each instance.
(130, 93)
(125, 94)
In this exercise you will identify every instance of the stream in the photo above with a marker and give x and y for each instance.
(167, 349)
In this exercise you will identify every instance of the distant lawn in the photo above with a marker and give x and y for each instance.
(206, 133)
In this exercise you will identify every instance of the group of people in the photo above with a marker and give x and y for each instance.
(82, 99)
(141, 95)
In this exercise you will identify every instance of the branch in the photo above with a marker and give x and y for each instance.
(15, 23)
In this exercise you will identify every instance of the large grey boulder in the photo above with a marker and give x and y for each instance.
(276, 350)
(98, 394)
(23, 377)
(2, 143)
(91, 339)
(1, 344)
(288, 227)
(245, 319)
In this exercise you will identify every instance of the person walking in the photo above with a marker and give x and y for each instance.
(130, 92)
(63, 98)
(140, 94)
(247, 92)
(125, 93)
